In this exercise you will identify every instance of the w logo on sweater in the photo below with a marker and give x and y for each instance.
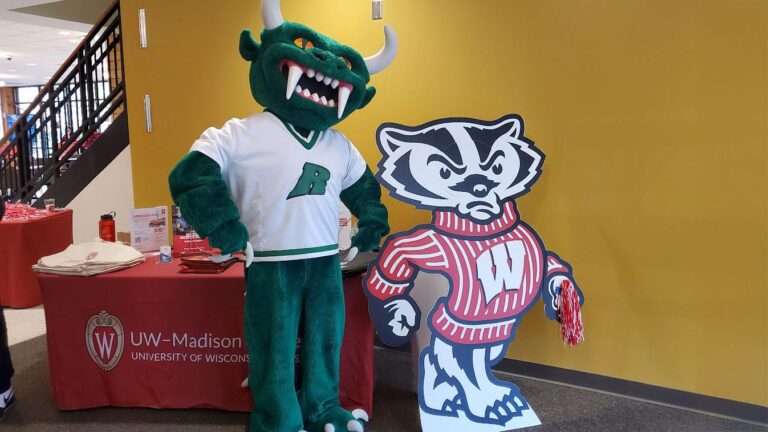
(501, 268)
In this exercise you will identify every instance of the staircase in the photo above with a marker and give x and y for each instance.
(75, 127)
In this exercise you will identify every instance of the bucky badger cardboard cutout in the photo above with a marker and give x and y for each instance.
(468, 173)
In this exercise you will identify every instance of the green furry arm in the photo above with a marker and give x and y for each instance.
(198, 188)
(364, 201)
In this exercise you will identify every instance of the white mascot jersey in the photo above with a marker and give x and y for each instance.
(287, 194)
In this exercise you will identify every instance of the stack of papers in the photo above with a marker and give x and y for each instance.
(203, 264)
(90, 258)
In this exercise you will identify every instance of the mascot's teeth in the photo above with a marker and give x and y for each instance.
(335, 83)
(327, 80)
(315, 97)
(324, 100)
(319, 77)
(311, 73)
(344, 92)
(298, 89)
(306, 93)
(294, 75)
(331, 103)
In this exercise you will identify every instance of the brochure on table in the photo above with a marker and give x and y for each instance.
(149, 228)
(185, 240)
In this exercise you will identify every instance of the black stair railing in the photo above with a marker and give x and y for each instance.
(74, 107)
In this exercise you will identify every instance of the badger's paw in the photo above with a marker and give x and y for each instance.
(338, 419)
(496, 404)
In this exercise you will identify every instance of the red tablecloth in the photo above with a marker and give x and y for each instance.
(151, 337)
(22, 243)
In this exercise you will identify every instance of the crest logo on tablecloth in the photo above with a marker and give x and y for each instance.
(105, 339)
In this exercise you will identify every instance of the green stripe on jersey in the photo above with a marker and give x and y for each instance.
(308, 142)
(288, 252)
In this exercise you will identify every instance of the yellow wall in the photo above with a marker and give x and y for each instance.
(654, 117)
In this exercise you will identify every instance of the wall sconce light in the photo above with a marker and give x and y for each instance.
(142, 28)
(376, 12)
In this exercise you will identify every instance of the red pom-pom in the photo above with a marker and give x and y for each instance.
(571, 327)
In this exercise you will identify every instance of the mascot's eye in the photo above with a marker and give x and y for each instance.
(445, 173)
(497, 168)
(347, 62)
(303, 43)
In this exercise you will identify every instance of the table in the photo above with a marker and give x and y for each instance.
(22, 243)
(151, 337)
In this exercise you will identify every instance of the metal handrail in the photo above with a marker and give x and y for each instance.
(79, 100)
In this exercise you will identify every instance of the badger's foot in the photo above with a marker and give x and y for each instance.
(495, 403)
(437, 397)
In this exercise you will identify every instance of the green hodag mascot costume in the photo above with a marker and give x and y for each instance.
(270, 184)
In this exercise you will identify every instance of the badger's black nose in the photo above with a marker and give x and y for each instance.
(476, 184)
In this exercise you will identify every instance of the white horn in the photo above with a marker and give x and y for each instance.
(379, 61)
(270, 14)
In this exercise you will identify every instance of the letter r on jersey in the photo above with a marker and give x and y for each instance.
(312, 181)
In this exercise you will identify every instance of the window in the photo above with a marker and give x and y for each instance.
(23, 96)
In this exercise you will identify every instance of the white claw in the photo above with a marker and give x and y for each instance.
(248, 257)
(344, 92)
(360, 414)
(354, 426)
(311, 73)
(294, 75)
(244, 384)
(351, 254)
(220, 258)
(329, 428)
(334, 83)
(327, 80)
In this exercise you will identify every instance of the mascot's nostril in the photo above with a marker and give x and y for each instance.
(476, 184)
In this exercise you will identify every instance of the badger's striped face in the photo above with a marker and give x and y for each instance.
(467, 165)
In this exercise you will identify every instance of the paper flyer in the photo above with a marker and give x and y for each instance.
(149, 228)
(185, 240)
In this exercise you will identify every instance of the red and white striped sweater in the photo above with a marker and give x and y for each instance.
(495, 271)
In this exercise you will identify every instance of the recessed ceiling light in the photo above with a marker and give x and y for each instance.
(65, 33)
(31, 64)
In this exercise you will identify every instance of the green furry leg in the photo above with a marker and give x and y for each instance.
(277, 294)
(321, 348)
(273, 304)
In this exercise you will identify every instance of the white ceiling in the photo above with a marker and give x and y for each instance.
(36, 45)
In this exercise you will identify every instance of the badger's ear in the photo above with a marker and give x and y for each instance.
(385, 137)
(510, 125)
(249, 48)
